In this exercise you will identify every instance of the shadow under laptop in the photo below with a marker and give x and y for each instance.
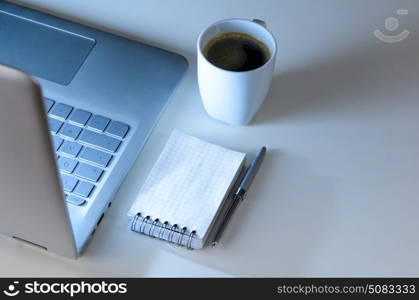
(102, 251)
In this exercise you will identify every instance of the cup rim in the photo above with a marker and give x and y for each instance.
(273, 55)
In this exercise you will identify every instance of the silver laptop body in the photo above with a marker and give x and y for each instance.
(69, 136)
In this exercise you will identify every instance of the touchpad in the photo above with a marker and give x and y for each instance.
(42, 50)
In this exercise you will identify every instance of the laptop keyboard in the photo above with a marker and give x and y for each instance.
(85, 145)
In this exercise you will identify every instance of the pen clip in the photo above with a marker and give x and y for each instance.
(241, 194)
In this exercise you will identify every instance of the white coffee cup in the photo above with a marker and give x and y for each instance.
(234, 97)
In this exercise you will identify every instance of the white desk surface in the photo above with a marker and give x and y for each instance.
(338, 192)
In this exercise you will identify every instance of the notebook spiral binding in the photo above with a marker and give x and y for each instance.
(139, 224)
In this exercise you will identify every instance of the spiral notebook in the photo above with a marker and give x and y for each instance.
(186, 191)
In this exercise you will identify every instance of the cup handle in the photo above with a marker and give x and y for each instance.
(260, 22)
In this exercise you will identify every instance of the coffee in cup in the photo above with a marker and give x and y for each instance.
(236, 61)
(235, 51)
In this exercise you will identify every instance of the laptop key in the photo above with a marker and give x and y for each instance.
(70, 131)
(98, 122)
(70, 148)
(118, 129)
(54, 125)
(82, 153)
(84, 189)
(48, 103)
(75, 200)
(56, 141)
(96, 156)
(99, 140)
(88, 172)
(68, 182)
(66, 164)
(61, 111)
(79, 117)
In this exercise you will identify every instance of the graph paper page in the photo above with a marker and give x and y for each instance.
(188, 183)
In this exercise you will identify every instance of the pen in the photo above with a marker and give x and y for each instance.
(240, 194)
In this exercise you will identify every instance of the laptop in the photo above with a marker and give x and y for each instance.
(76, 107)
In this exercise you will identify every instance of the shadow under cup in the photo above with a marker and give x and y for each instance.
(234, 97)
